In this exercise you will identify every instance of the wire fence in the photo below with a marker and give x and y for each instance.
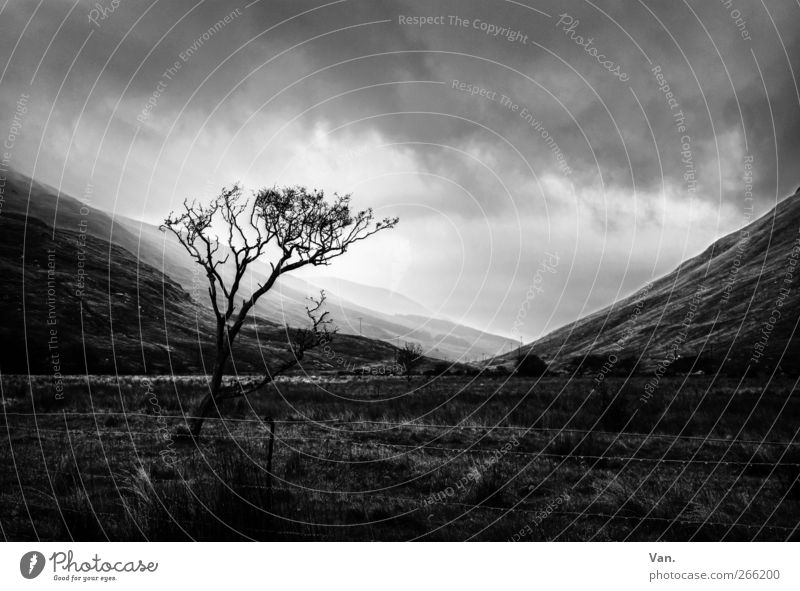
(427, 448)
(416, 425)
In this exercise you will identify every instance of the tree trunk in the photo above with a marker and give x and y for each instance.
(210, 400)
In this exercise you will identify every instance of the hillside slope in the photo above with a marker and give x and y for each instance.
(378, 313)
(75, 302)
(735, 305)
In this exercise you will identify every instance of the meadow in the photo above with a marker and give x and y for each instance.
(383, 458)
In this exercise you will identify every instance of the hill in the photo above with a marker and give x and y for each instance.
(81, 296)
(734, 306)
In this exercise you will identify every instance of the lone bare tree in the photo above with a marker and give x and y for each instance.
(290, 228)
(410, 357)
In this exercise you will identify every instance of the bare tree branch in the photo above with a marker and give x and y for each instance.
(304, 340)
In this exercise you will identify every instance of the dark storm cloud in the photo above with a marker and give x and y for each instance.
(595, 119)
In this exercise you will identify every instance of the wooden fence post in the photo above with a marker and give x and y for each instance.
(271, 424)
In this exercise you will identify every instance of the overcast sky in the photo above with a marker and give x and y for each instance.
(587, 158)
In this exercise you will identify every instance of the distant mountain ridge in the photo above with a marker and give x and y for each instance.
(370, 296)
(737, 304)
(372, 312)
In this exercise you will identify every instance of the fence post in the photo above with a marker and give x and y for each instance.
(271, 424)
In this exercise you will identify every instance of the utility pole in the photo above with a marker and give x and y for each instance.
(359, 327)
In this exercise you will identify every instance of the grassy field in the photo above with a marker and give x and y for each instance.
(452, 458)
